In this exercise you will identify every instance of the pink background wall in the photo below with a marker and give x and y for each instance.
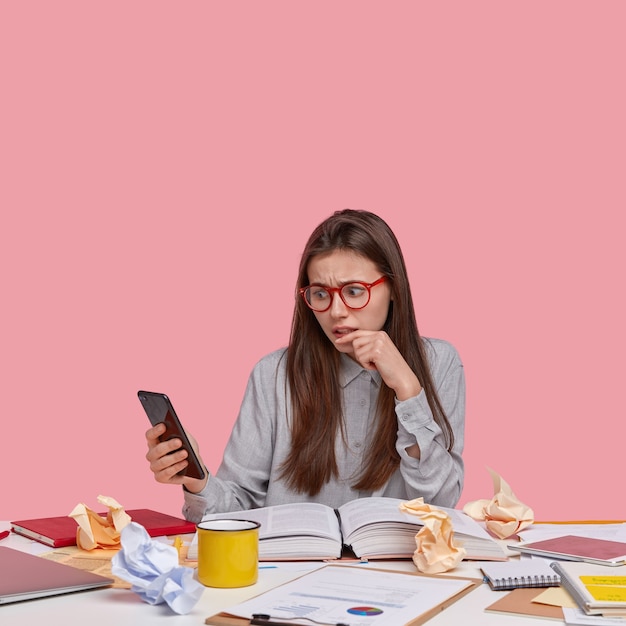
(162, 165)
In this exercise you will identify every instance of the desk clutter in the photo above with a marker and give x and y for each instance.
(159, 572)
(591, 587)
(597, 589)
(151, 568)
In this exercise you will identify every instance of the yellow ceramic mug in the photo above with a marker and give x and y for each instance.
(228, 552)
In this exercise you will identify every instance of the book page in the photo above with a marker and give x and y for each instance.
(376, 528)
(365, 511)
(288, 520)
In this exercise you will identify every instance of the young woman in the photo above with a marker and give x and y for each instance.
(357, 405)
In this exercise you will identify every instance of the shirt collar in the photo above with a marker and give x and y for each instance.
(350, 369)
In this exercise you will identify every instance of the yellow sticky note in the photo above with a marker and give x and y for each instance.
(606, 593)
(613, 581)
(606, 588)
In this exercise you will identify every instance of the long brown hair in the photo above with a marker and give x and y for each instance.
(313, 362)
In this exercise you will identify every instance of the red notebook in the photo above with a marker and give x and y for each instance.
(575, 548)
(61, 531)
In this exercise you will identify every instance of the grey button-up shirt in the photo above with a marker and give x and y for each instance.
(260, 441)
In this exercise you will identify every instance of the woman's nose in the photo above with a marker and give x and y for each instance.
(338, 308)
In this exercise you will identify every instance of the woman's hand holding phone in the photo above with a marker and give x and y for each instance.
(168, 459)
(172, 454)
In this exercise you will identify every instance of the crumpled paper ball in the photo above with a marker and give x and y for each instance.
(435, 551)
(152, 569)
(95, 531)
(504, 515)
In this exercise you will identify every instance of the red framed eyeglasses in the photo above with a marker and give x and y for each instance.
(355, 295)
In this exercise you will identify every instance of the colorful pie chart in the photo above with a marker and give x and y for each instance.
(365, 610)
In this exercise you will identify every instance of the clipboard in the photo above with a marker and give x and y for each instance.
(226, 619)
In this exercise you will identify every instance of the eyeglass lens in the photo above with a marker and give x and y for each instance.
(354, 295)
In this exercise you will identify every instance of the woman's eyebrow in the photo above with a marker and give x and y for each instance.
(341, 283)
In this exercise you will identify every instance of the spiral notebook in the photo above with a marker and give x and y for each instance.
(520, 573)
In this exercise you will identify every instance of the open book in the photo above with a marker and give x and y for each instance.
(373, 528)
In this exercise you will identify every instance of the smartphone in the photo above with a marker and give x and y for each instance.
(160, 411)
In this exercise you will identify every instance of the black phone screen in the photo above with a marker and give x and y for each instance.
(159, 410)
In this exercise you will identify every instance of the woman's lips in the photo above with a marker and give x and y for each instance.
(339, 332)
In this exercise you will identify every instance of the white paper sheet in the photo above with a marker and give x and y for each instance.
(353, 596)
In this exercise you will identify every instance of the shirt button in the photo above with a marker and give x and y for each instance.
(362, 402)
(357, 444)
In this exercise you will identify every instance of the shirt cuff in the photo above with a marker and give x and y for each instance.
(195, 504)
(414, 412)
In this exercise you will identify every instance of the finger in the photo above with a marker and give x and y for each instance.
(366, 361)
(153, 434)
(165, 462)
(350, 337)
(171, 474)
(367, 349)
(165, 448)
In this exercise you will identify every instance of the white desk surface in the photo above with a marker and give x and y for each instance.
(121, 607)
